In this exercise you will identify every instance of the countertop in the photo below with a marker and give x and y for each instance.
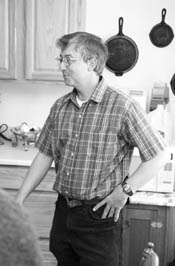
(16, 155)
(19, 156)
(153, 198)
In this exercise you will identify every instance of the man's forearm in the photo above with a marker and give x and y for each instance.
(147, 170)
(35, 175)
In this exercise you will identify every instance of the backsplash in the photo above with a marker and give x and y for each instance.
(28, 102)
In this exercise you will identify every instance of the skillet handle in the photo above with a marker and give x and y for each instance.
(120, 22)
(163, 15)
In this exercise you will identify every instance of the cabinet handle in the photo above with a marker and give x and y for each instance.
(157, 225)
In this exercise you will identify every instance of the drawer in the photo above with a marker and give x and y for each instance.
(11, 177)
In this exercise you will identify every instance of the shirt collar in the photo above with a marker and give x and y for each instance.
(99, 91)
(97, 94)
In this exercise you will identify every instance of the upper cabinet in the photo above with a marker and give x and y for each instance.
(7, 39)
(45, 22)
(29, 29)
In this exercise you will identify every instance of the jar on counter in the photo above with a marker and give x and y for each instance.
(149, 256)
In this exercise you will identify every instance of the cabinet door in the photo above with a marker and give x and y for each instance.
(48, 257)
(7, 37)
(143, 224)
(45, 22)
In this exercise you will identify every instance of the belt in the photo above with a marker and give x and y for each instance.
(71, 202)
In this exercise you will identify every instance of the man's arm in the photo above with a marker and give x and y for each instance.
(145, 172)
(34, 176)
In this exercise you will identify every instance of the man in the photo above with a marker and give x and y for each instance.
(90, 135)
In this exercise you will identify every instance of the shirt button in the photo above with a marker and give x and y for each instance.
(72, 154)
(80, 116)
(68, 173)
(76, 135)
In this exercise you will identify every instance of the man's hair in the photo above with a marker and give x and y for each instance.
(89, 46)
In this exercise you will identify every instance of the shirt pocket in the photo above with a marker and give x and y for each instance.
(103, 145)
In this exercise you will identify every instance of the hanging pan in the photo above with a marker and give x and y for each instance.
(123, 52)
(172, 83)
(161, 34)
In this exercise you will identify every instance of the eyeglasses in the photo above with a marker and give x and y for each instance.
(66, 60)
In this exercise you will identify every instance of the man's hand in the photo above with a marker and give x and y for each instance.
(114, 203)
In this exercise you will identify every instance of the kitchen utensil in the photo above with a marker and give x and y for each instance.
(161, 34)
(123, 52)
(3, 129)
(172, 83)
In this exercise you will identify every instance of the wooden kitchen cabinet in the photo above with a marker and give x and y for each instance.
(45, 22)
(7, 37)
(29, 29)
(144, 223)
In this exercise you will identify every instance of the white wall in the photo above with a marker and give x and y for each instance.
(28, 101)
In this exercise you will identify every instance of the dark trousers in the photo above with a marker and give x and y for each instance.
(79, 237)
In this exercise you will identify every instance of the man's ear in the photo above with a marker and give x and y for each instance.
(92, 64)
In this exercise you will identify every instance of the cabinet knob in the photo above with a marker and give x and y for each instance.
(157, 225)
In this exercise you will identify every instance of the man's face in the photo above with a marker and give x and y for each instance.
(74, 69)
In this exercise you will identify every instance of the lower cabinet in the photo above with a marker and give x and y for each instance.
(40, 207)
(138, 224)
(144, 223)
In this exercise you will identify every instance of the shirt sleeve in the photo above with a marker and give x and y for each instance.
(139, 132)
(44, 140)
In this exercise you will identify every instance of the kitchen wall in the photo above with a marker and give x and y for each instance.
(28, 101)
(31, 101)
(154, 64)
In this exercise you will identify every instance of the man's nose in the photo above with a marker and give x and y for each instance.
(62, 66)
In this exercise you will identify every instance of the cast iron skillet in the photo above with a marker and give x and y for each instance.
(123, 52)
(172, 83)
(161, 34)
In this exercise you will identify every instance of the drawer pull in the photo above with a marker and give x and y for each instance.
(156, 225)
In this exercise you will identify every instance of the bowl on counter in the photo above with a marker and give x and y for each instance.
(28, 134)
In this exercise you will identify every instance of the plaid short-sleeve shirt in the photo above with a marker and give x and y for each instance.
(92, 145)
